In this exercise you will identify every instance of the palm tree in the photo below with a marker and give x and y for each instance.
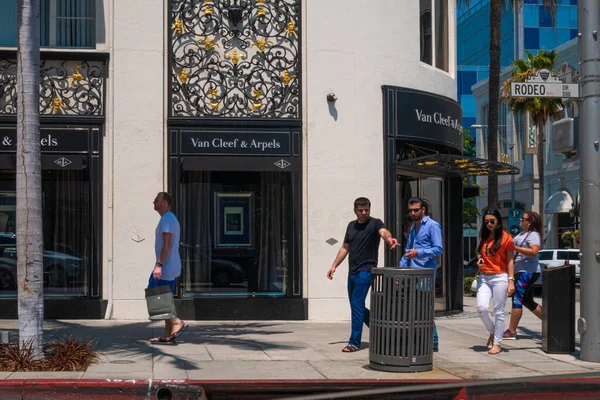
(494, 81)
(29, 200)
(540, 109)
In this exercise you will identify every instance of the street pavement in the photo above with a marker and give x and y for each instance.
(297, 350)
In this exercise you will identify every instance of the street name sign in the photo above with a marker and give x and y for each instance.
(543, 84)
(544, 89)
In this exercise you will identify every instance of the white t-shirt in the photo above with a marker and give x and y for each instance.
(171, 268)
(522, 262)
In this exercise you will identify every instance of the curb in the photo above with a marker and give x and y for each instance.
(100, 389)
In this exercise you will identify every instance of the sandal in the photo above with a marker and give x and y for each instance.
(161, 340)
(349, 349)
(495, 350)
(174, 335)
(490, 342)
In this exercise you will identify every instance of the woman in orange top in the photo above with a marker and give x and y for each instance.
(496, 271)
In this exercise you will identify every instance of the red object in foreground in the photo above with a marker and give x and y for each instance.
(101, 389)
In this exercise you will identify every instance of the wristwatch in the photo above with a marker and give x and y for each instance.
(159, 264)
(511, 279)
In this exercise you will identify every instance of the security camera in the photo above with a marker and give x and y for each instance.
(331, 97)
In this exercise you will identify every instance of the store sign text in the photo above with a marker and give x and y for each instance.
(50, 140)
(439, 119)
(234, 143)
(219, 143)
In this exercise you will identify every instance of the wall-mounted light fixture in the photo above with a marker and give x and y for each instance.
(331, 97)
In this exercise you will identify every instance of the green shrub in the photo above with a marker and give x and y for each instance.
(467, 282)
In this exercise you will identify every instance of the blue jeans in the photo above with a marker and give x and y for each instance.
(358, 287)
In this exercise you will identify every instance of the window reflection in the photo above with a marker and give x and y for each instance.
(66, 232)
(237, 232)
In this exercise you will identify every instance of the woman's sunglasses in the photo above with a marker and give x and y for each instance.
(490, 221)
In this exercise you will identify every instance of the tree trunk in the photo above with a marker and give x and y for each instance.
(494, 94)
(29, 201)
(541, 159)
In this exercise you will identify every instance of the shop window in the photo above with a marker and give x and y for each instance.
(66, 232)
(63, 23)
(240, 234)
(434, 33)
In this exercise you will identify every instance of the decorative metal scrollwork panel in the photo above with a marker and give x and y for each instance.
(235, 58)
(66, 88)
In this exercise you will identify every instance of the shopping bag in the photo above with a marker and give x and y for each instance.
(160, 302)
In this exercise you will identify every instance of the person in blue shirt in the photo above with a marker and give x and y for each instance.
(424, 244)
(168, 261)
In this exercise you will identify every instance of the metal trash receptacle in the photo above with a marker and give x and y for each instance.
(401, 326)
(558, 316)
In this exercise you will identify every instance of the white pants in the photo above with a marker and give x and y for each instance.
(493, 287)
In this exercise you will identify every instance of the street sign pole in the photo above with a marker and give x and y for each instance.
(588, 324)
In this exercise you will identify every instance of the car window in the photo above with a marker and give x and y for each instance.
(574, 255)
(545, 255)
(562, 255)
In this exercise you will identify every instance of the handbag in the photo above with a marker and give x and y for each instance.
(160, 303)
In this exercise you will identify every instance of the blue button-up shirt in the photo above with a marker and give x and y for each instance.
(428, 243)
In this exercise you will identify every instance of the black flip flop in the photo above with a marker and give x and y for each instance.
(161, 340)
(174, 335)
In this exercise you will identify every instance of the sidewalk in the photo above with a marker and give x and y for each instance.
(289, 350)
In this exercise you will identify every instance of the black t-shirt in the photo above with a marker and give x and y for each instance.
(363, 240)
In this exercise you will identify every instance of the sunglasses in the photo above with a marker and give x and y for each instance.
(524, 219)
(490, 221)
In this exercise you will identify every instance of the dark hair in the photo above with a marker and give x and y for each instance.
(535, 222)
(484, 232)
(166, 197)
(362, 201)
(415, 200)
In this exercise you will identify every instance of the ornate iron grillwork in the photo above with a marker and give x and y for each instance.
(235, 58)
(66, 87)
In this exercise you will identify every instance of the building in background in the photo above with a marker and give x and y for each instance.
(530, 28)
(561, 180)
(264, 119)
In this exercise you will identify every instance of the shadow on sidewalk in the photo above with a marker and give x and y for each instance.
(130, 340)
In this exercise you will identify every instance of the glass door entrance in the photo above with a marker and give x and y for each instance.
(431, 190)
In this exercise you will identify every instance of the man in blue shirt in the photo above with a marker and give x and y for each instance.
(424, 244)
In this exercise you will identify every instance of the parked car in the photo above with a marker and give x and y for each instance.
(222, 272)
(8, 275)
(552, 258)
(60, 269)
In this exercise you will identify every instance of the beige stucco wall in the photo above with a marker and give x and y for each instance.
(135, 169)
(352, 49)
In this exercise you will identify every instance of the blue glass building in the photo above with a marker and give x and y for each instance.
(529, 29)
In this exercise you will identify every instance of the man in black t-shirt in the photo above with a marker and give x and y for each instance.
(362, 243)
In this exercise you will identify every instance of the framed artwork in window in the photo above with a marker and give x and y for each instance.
(234, 219)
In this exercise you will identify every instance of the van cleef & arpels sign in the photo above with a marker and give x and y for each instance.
(234, 143)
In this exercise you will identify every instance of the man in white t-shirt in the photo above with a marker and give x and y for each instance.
(168, 263)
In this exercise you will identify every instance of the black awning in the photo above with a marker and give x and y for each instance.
(461, 165)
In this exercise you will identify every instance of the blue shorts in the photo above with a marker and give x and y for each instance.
(152, 283)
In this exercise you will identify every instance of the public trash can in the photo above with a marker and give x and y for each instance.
(558, 316)
(402, 311)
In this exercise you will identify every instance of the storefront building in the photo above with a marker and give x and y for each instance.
(265, 119)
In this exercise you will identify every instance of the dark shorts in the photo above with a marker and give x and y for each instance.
(153, 283)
